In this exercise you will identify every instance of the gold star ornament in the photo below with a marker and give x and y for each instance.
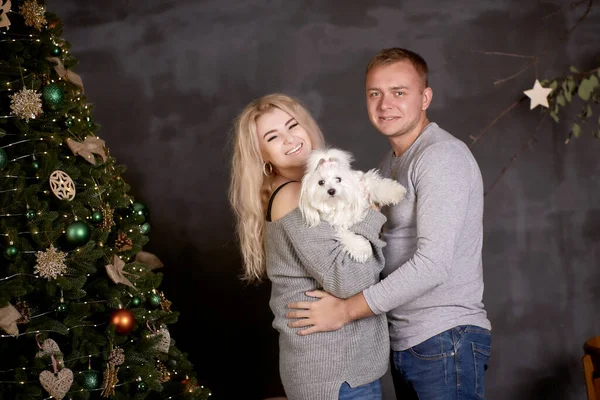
(538, 95)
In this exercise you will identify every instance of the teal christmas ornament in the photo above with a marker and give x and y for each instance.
(53, 96)
(62, 308)
(56, 51)
(145, 228)
(69, 122)
(30, 214)
(97, 217)
(35, 164)
(78, 233)
(142, 387)
(140, 212)
(136, 301)
(90, 379)
(154, 299)
(11, 250)
(3, 158)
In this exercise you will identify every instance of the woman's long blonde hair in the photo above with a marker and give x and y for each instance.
(249, 189)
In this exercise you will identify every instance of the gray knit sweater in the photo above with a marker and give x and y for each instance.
(300, 259)
(433, 274)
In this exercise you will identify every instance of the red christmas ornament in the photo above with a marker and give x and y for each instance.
(123, 320)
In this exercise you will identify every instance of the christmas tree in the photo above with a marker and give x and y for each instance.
(81, 313)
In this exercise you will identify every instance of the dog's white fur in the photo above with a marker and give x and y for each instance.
(333, 192)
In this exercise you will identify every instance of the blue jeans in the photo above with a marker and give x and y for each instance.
(448, 366)
(370, 391)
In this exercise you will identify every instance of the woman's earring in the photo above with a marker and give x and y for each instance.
(270, 168)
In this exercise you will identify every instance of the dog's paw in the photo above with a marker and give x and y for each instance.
(357, 246)
(387, 192)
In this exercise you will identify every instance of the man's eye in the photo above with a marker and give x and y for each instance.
(338, 179)
(399, 93)
(321, 182)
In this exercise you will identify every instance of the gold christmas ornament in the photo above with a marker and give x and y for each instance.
(90, 146)
(165, 304)
(50, 263)
(34, 14)
(62, 185)
(9, 316)
(65, 73)
(57, 384)
(26, 104)
(110, 380)
(164, 375)
(123, 242)
(4, 9)
(107, 218)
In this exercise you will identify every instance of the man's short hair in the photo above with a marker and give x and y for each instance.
(396, 54)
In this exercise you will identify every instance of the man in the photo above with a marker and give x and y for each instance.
(432, 284)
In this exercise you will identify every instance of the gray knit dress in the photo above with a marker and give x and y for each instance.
(300, 259)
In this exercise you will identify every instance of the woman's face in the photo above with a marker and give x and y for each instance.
(283, 141)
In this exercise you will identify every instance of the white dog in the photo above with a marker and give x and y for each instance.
(333, 192)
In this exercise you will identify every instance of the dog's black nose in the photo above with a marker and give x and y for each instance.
(331, 192)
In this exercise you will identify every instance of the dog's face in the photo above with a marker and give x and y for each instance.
(330, 187)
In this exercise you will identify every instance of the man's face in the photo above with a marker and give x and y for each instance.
(396, 99)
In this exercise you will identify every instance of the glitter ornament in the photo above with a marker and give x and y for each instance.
(26, 104)
(33, 14)
(50, 263)
(107, 222)
(53, 96)
(90, 379)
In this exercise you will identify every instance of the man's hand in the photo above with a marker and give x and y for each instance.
(329, 313)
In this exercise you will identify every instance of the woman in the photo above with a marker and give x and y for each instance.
(274, 136)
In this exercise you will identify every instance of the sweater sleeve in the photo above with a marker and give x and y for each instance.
(328, 263)
(443, 178)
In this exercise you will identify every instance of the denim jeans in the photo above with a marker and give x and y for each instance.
(369, 391)
(448, 366)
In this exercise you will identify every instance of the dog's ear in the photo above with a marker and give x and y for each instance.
(316, 158)
(309, 213)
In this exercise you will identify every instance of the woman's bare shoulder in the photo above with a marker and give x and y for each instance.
(286, 200)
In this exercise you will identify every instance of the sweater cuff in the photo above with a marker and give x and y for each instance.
(372, 223)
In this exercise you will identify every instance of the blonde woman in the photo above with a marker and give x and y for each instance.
(274, 136)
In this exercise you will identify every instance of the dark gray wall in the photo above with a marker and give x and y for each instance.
(168, 77)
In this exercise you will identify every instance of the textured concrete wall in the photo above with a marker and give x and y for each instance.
(168, 77)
